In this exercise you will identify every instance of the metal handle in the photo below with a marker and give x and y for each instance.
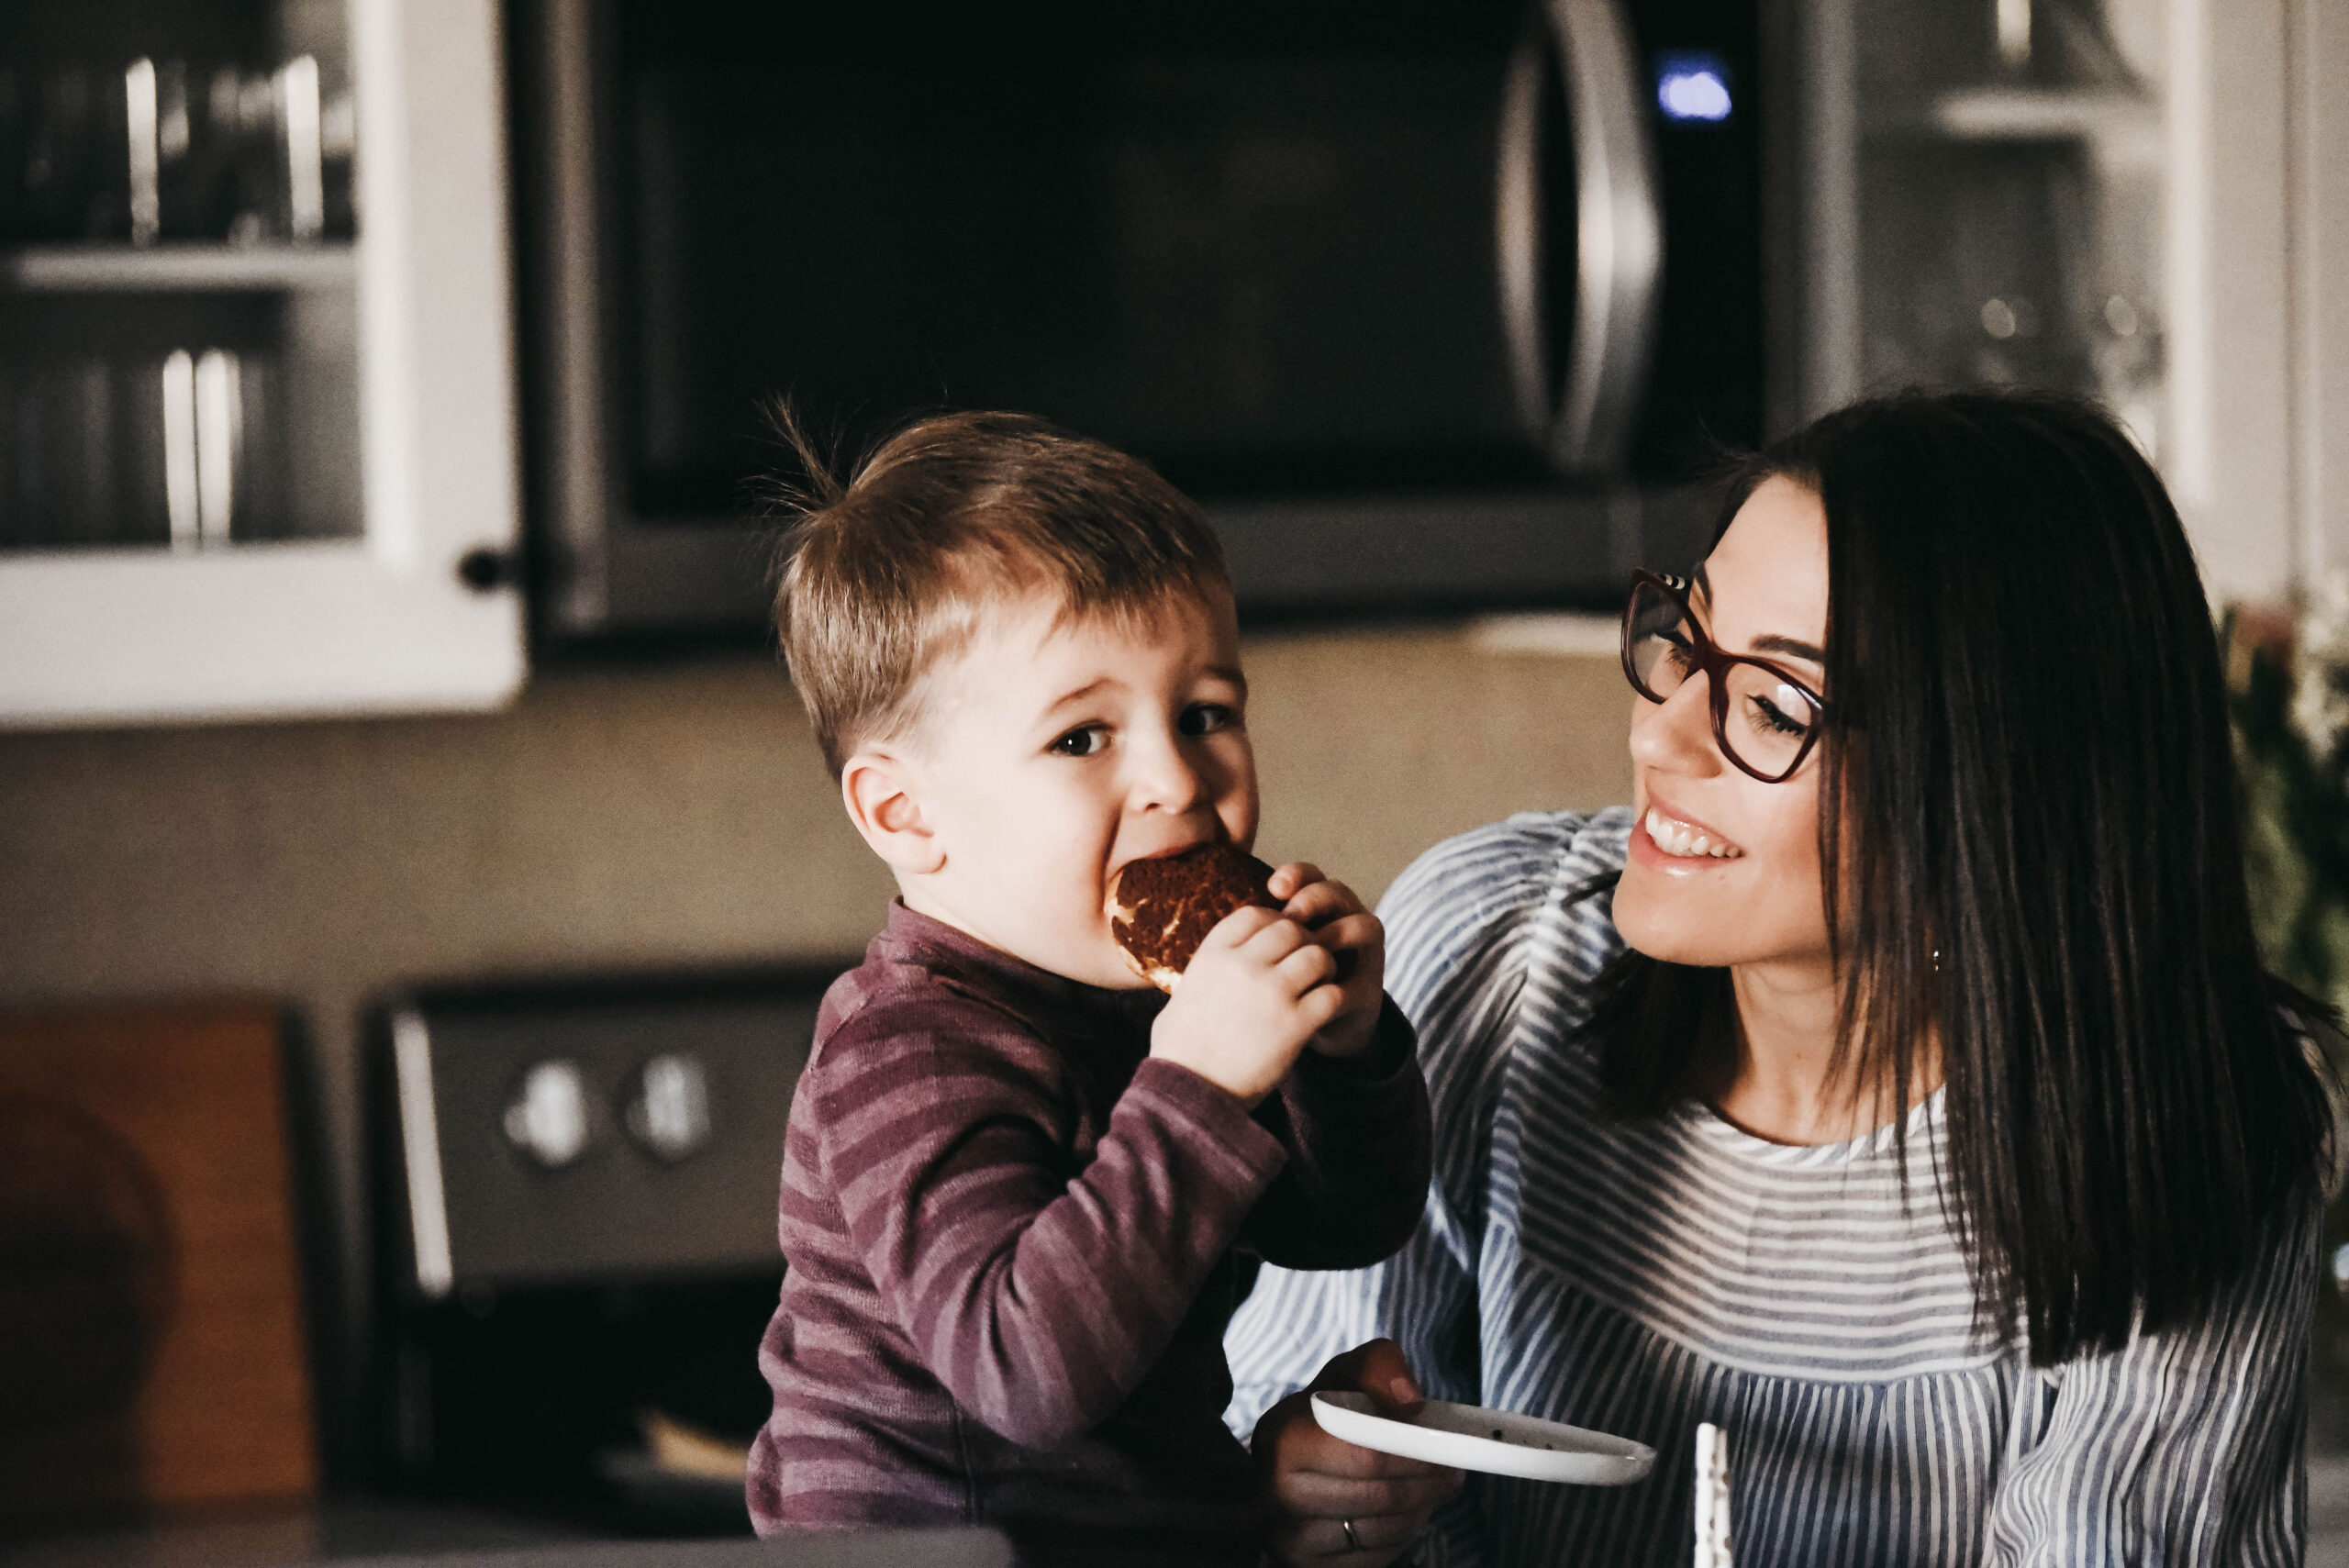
(1582, 419)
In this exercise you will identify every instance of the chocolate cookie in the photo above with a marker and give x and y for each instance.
(1161, 909)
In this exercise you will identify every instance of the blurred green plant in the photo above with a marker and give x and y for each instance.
(2288, 689)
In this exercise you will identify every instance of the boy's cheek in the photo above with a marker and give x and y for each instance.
(1237, 801)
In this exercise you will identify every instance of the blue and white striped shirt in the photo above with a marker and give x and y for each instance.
(1641, 1278)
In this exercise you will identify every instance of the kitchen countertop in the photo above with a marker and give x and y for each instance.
(352, 1527)
(397, 1533)
(339, 1528)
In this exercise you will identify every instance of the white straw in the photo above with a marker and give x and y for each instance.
(1712, 1497)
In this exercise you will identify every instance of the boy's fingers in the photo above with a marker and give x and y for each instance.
(1289, 880)
(1356, 933)
(1356, 940)
(1321, 901)
(1242, 927)
(1307, 967)
(1276, 938)
(1318, 1004)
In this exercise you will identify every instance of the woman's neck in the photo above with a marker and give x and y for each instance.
(1783, 1082)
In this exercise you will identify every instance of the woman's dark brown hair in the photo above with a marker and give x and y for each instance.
(2029, 832)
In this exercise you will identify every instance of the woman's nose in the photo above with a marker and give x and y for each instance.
(1676, 734)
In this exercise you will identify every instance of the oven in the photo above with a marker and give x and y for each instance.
(1431, 303)
(575, 1188)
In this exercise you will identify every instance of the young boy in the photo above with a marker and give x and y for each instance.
(1015, 1177)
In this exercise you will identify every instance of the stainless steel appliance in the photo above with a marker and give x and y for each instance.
(576, 1198)
(1431, 303)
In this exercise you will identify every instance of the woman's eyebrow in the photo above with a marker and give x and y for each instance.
(1771, 642)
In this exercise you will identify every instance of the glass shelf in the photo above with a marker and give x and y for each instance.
(179, 331)
(216, 268)
(226, 489)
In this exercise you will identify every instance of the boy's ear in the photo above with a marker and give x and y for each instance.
(878, 788)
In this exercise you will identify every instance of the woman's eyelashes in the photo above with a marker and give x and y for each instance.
(1678, 654)
(1768, 716)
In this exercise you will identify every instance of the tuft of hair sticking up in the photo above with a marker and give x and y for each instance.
(2031, 857)
(886, 575)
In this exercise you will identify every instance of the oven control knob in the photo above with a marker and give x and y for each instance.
(547, 1119)
(668, 1112)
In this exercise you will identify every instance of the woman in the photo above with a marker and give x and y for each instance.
(1894, 1084)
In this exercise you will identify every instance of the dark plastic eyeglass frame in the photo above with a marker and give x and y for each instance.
(1712, 663)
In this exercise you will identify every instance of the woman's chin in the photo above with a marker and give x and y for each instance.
(1710, 924)
(1661, 915)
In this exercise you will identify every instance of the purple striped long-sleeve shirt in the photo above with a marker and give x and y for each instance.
(1010, 1237)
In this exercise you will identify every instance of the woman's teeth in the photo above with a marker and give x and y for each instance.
(1674, 839)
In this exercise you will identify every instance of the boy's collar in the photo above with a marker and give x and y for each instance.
(1060, 1003)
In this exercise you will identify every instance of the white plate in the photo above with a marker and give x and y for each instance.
(1468, 1437)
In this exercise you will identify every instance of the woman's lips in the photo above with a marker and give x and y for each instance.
(1676, 837)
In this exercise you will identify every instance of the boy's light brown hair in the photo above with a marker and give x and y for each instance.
(887, 575)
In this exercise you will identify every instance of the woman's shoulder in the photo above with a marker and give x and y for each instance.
(1509, 871)
(1485, 907)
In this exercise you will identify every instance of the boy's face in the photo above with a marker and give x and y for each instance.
(1048, 757)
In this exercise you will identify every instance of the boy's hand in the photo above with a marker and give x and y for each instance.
(1354, 937)
(1257, 990)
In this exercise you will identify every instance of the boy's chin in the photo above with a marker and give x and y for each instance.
(1111, 972)
(1100, 963)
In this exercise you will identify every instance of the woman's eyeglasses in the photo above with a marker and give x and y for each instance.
(1764, 719)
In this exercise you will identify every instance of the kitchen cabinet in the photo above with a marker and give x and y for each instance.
(2145, 201)
(257, 420)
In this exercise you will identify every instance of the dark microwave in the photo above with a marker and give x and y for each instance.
(1433, 304)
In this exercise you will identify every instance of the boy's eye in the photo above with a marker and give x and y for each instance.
(1083, 742)
(1205, 718)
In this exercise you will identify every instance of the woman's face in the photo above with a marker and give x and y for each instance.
(1750, 895)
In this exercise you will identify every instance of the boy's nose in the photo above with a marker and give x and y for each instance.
(1166, 777)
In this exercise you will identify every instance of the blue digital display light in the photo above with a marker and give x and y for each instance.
(1692, 87)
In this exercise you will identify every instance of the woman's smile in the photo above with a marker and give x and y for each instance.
(1676, 837)
(1723, 868)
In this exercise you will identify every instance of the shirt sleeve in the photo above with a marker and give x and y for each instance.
(1039, 1294)
(1462, 930)
(1357, 1136)
(2184, 1447)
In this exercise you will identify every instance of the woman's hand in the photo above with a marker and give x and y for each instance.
(1322, 1484)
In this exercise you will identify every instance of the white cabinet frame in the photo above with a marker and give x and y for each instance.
(382, 623)
(2257, 450)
